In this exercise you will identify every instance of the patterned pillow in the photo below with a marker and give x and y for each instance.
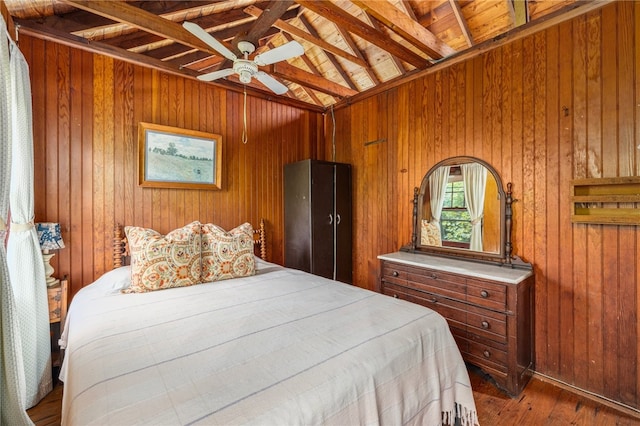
(227, 254)
(430, 234)
(159, 262)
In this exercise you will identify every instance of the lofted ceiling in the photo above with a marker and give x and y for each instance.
(350, 47)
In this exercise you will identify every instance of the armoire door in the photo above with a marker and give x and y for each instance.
(323, 219)
(343, 230)
(297, 216)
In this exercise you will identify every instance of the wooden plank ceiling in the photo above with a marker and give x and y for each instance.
(349, 46)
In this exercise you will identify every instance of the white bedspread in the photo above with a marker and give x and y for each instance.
(282, 347)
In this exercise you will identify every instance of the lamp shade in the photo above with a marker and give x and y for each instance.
(49, 236)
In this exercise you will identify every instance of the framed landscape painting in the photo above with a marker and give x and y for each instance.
(170, 157)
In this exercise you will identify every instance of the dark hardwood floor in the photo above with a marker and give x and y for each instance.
(541, 403)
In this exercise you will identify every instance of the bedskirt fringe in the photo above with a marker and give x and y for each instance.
(462, 417)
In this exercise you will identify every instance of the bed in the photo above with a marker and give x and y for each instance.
(279, 347)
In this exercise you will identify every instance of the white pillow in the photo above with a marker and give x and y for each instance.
(114, 281)
(262, 266)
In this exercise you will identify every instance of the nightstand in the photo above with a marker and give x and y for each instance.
(57, 314)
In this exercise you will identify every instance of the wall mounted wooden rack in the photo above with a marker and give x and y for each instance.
(606, 200)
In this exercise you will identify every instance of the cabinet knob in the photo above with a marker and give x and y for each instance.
(395, 296)
(434, 300)
(434, 277)
(485, 324)
(486, 354)
(484, 294)
(395, 273)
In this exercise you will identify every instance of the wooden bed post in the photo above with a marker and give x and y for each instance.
(263, 241)
(117, 246)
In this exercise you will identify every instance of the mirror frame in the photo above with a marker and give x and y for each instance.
(504, 256)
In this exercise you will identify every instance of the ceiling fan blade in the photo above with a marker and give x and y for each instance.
(216, 74)
(199, 32)
(274, 85)
(280, 53)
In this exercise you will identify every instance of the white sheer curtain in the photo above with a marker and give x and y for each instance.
(474, 176)
(437, 188)
(12, 383)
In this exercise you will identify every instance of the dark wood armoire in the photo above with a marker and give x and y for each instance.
(317, 216)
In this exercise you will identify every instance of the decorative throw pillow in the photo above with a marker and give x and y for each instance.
(227, 254)
(430, 234)
(159, 262)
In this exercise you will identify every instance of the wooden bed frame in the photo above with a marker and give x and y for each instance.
(121, 247)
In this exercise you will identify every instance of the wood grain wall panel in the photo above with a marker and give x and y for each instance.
(550, 107)
(86, 111)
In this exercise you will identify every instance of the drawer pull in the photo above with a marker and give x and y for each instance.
(395, 296)
(485, 324)
(434, 277)
(486, 354)
(395, 273)
(434, 300)
(484, 294)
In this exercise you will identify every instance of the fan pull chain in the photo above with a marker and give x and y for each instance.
(244, 125)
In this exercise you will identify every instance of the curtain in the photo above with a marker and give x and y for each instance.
(474, 176)
(12, 383)
(437, 188)
(24, 258)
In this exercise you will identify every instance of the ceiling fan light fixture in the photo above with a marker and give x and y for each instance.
(245, 77)
(245, 70)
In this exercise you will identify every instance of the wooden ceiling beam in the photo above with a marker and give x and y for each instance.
(330, 56)
(123, 12)
(295, 31)
(340, 17)
(462, 22)
(198, 63)
(309, 65)
(296, 75)
(310, 93)
(354, 47)
(409, 9)
(207, 22)
(83, 23)
(408, 28)
(397, 62)
(275, 11)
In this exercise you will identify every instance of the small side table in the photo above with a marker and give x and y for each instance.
(57, 315)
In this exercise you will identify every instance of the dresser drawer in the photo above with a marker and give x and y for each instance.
(442, 283)
(453, 312)
(394, 272)
(487, 324)
(481, 353)
(487, 294)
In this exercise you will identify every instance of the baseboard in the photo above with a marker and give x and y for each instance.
(626, 409)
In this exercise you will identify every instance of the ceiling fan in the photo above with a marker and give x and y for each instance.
(246, 68)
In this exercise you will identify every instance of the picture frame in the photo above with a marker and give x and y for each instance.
(171, 157)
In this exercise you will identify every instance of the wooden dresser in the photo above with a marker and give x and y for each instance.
(489, 309)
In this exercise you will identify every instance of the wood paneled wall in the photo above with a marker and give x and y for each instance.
(86, 109)
(556, 105)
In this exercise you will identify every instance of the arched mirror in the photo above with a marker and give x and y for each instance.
(462, 210)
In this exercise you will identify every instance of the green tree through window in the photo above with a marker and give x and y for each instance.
(455, 221)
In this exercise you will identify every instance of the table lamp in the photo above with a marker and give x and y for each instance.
(50, 239)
